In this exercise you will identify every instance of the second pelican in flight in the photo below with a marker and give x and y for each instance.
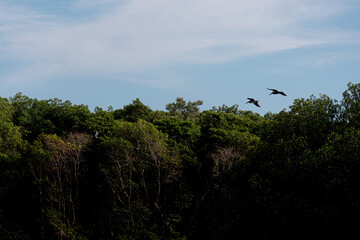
(251, 100)
(274, 91)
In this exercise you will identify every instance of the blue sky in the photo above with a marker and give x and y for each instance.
(110, 52)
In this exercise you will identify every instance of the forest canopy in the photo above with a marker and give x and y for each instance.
(135, 173)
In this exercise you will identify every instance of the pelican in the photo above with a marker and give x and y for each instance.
(256, 102)
(274, 91)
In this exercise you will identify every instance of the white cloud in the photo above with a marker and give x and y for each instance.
(136, 35)
(33, 73)
(96, 3)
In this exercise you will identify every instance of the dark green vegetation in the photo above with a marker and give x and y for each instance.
(180, 173)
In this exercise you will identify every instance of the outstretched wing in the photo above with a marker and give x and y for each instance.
(271, 89)
(251, 99)
(282, 93)
(257, 104)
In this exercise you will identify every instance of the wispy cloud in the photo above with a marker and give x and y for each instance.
(96, 3)
(136, 35)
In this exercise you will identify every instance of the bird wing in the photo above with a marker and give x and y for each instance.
(257, 104)
(251, 99)
(271, 89)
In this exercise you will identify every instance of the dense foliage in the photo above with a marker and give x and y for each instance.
(222, 173)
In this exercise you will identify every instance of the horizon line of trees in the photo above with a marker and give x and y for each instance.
(221, 173)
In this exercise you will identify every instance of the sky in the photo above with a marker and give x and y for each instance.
(105, 53)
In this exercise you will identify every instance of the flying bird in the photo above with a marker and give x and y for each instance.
(256, 102)
(274, 91)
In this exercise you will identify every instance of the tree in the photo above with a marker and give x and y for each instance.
(184, 110)
(139, 168)
(101, 121)
(182, 131)
(311, 118)
(57, 169)
(12, 168)
(180, 173)
(351, 105)
(47, 116)
(10, 136)
(227, 130)
(133, 112)
(300, 173)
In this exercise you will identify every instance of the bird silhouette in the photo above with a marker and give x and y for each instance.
(274, 91)
(251, 100)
